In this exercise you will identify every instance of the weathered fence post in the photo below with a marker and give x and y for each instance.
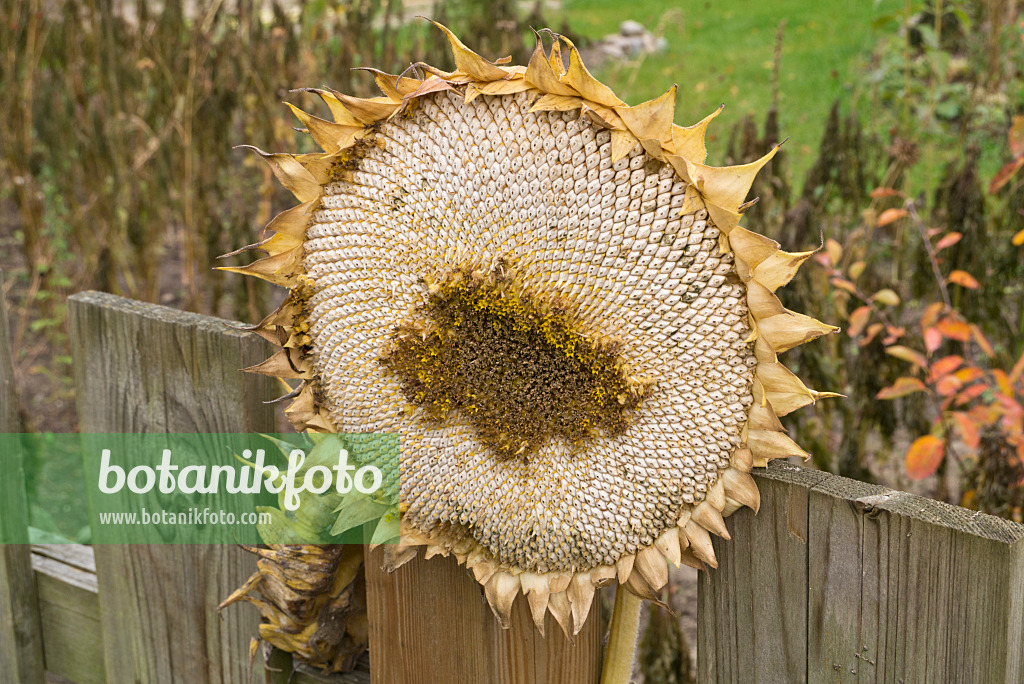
(145, 368)
(429, 622)
(21, 642)
(840, 581)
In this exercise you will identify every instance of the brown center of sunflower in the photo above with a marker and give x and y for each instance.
(513, 363)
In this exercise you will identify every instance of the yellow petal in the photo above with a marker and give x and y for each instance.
(651, 564)
(469, 62)
(394, 87)
(768, 444)
(652, 119)
(779, 268)
(792, 329)
(501, 590)
(541, 76)
(279, 365)
(753, 248)
(700, 543)
(279, 269)
(740, 486)
(556, 103)
(581, 595)
(727, 186)
(623, 143)
(688, 142)
(368, 110)
(668, 544)
(331, 137)
(710, 518)
(291, 173)
(579, 79)
(535, 588)
(623, 567)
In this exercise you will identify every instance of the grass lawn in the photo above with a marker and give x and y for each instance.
(722, 52)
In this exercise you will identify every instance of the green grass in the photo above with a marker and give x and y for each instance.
(722, 52)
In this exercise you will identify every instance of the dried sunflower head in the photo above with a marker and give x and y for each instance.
(547, 293)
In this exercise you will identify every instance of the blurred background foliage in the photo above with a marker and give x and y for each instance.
(118, 124)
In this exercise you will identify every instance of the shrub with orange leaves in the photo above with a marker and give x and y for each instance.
(978, 407)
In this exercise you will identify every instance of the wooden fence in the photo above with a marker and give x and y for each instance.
(833, 581)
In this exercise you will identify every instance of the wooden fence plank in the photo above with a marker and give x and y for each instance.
(145, 368)
(907, 589)
(21, 643)
(430, 623)
(752, 610)
(70, 611)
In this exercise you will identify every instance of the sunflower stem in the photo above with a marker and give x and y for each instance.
(621, 650)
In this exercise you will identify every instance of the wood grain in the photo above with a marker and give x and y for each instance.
(907, 589)
(145, 368)
(752, 610)
(430, 622)
(70, 610)
(21, 643)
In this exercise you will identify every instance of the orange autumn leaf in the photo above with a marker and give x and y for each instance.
(968, 430)
(878, 193)
(970, 394)
(948, 240)
(924, 456)
(931, 314)
(1018, 239)
(908, 354)
(1003, 381)
(982, 341)
(858, 320)
(970, 374)
(948, 386)
(890, 215)
(946, 365)
(1005, 174)
(954, 330)
(1017, 370)
(963, 279)
(844, 285)
(932, 339)
(901, 388)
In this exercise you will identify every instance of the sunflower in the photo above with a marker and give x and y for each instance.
(546, 292)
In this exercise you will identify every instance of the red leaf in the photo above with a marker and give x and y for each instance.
(948, 386)
(908, 354)
(946, 365)
(970, 394)
(858, 320)
(968, 430)
(890, 215)
(964, 279)
(948, 240)
(901, 388)
(954, 329)
(878, 193)
(932, 339)
(1005, 174)
(924, 456)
